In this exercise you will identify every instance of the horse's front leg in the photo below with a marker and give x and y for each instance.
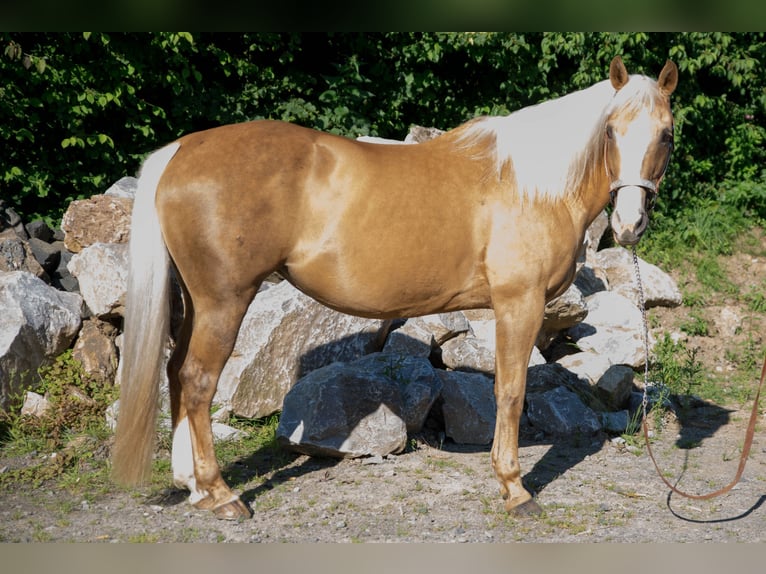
(518, 320)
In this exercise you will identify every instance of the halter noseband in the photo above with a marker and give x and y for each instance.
(649, 186)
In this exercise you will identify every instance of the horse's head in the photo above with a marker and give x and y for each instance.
(638, 142)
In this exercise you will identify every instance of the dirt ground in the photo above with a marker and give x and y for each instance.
(592, 489)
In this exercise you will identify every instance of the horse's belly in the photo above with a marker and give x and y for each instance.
(372, 288)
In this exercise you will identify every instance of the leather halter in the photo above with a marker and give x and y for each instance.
(649, 186)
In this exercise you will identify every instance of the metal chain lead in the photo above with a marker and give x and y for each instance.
(642, 307)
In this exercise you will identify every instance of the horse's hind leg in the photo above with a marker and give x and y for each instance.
(182, 458)
(206, 342)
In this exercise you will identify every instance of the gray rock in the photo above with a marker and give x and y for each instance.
(560, 412)
(348, 410)
(222, 432)
(413, 338)
(469, 354)
(34, 405)
(588, 367)
(10, 223)
(379, 140)
(615, 422)
(46, 254)
(614, 386)
(563, 312)
(61, 278)
(37, 323)
(17, 255)
(590, 280)
(419, 384)
(469, 407)
(38, 229)
(110, 416)
(536, 358)
(659, 288)
(419, 134)
(475, 350)
(125, 187)
(445, 326)
(594, 234)
(96, 350)
(102, 272)
(611, 384)
(285, 335)
(542, 378)
(485, 329)
(613, 328)
(99, 219)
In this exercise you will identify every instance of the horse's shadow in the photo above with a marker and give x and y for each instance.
(278, 463)
(700, 420)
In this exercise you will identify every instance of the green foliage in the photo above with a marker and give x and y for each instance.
(756, 299)
(676, 366)
(67, 433)
(77, 403)
(695, 325)
(694, 236)
(79, 110)
(681, 373)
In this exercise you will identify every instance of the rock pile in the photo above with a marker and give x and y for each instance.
(346, 386)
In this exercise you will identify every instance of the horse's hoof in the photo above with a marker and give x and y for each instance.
(233, 510)
(528, 508)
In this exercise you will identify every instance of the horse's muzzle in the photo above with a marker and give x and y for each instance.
(630, 217)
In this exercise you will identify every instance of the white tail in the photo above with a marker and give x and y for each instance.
(147, 319)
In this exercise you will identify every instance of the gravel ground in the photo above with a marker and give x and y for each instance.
(591, 489)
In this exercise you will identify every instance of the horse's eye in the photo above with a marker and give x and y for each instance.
(609, 132)
(667, 137)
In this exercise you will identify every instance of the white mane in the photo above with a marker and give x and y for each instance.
(547, 144)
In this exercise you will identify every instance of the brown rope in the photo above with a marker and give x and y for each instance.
(750, 427)
(743, 458)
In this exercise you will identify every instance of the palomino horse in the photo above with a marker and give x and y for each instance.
(489, 215)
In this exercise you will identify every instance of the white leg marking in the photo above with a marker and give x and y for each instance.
(182, 461)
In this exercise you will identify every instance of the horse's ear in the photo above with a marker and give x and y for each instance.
(668, 79)
(618, 74)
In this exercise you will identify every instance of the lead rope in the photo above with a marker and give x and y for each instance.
(750, 427)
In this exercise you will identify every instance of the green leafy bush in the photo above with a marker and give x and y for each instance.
(63, 441)
(76, 405)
